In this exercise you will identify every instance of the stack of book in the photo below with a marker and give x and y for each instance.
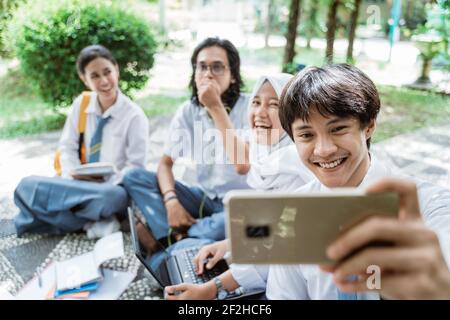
(81, 275)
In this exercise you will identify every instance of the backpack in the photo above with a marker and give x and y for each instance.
(86, 96)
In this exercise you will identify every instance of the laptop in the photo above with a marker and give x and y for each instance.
(176, 267)
(168, 268)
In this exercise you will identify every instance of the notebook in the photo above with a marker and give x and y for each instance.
(113, 285)
(85, 269)
(100, 169)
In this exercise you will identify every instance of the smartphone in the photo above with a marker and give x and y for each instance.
(293, 228)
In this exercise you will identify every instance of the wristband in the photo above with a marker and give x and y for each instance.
(167, 191)
(170, 198)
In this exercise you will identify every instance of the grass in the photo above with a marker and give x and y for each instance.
(405, 110)
(158, 104)
(22, 112)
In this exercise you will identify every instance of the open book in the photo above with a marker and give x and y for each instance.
(85, 269)
(100, 169)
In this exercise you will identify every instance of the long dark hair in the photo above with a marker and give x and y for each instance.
(91, 53)
(231, 95)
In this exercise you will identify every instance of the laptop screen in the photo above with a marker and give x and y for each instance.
(148, 250)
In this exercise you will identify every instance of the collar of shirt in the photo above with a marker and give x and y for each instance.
(114, 111)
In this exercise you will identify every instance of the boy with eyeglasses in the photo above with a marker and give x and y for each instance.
(205, 129)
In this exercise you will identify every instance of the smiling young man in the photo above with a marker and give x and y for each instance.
(330, 113)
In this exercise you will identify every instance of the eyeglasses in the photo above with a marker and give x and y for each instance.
(217, 68)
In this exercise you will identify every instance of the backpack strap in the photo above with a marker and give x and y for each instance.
(82, 125)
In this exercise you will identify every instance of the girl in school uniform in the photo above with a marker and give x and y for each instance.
(116, 131)
(268, 145)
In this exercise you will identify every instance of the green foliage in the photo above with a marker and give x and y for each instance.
(48, 41)
(432, 37)
(278, 15)
(290, 67)
(311, 23)
(7, 8)
(414, 14)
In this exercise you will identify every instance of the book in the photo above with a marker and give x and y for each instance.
(100, 169)
(85, 269)
(76, 295)
(114, 283)
(83, 290)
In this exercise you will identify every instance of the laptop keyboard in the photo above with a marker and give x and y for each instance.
(207, 275)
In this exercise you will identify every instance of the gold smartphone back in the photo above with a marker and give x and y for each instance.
(282, 228)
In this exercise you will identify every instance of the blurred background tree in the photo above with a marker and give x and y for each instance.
(291, 35)
(432, 38)
(7, 8)
(48, 41)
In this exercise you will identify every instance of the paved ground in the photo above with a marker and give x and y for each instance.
(425, 153)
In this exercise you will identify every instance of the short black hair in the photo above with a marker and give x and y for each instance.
(341, 90)
(93, 52)
(231, 95)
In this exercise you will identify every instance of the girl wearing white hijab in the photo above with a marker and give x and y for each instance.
(273, 165)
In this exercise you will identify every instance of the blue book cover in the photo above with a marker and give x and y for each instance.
(87, 287)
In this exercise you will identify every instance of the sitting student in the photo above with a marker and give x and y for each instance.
(413, 267)
(171, 208)
(330, 113)
(268, 145)
(116, 131)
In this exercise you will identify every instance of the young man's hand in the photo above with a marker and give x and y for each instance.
(177, 216)
(189, 291)
(412, 266)
(213, 253)
(208, 93)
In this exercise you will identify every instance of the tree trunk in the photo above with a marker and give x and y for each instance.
(289, 51)
(331, 30)
(352, 30)
(426, 68)
(267, 24)
(312, 22)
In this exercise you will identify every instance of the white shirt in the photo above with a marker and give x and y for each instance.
(192, 134)
(271, 168)
(124, 137)
(309, 282)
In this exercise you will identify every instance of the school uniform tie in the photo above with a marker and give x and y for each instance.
(96, 141)
(348, 295)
